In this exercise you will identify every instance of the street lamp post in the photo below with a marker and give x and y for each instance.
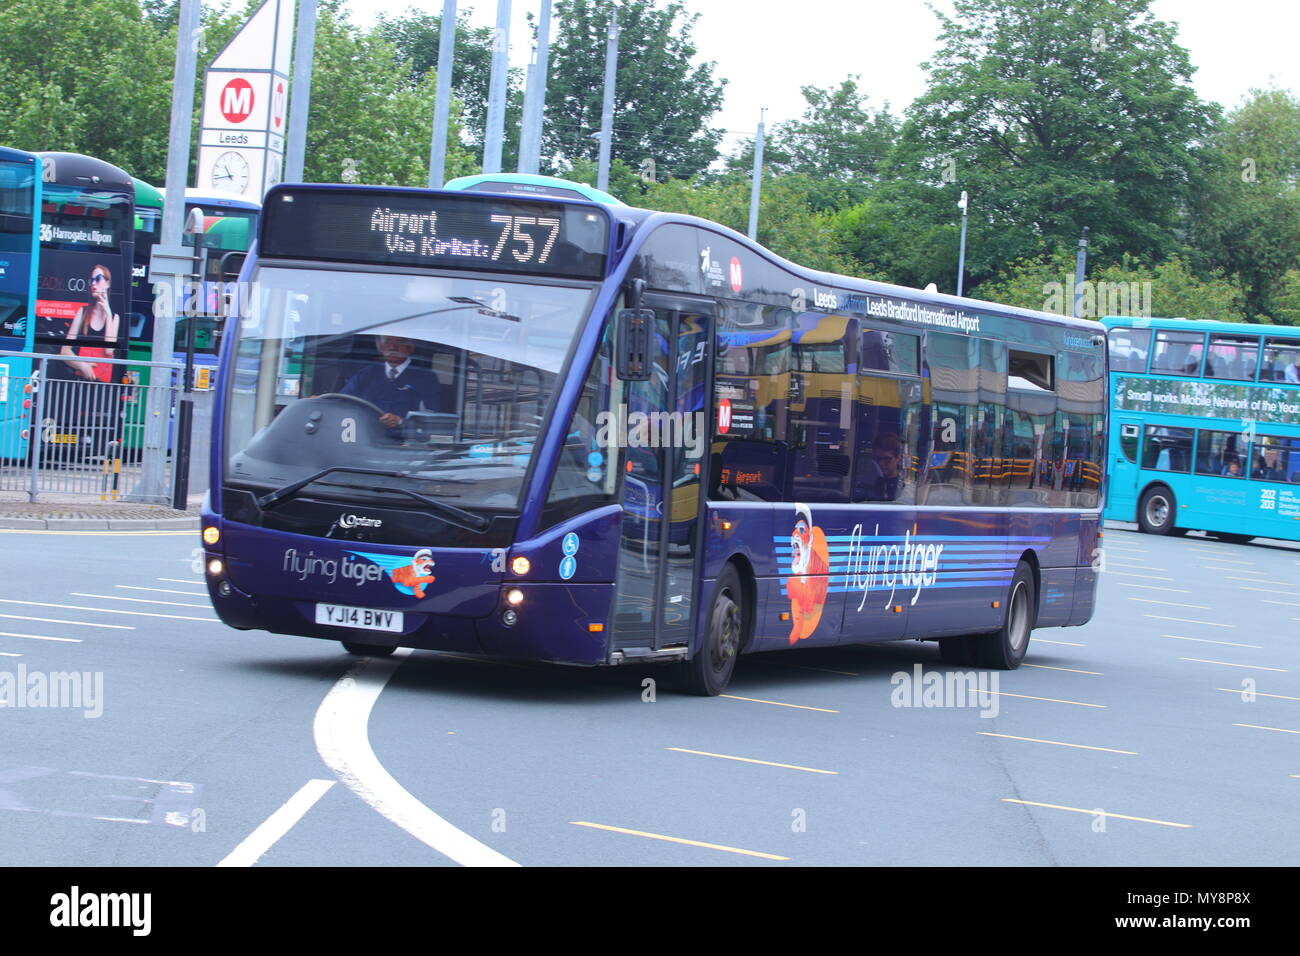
(961, 253)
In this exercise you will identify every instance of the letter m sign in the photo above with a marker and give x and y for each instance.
(236, 100)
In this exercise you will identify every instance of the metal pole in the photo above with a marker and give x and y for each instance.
(496, 115)
(1080, 265)
(757, 184)
(961, 254)
(530, 141)
(607, 108)
(303, 51)
(185, 407)
(158, 413)
(442, 96)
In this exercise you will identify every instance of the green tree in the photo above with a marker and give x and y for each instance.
(1052, 115)
(1128, 287)
(1247, 220)
(416, 36)
(662, 100)
(839, 143)
(86, 76)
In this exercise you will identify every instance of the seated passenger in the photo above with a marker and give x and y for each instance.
(1266, 469)
(1232, 469)
(883, 480)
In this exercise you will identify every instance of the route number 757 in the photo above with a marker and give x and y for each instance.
(512, 229)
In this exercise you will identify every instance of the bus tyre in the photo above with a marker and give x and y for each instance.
(1156, 511)
(367, 650)
(1005, 649)
(957, 651)
(708, 672)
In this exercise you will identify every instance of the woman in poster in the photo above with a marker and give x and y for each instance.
(94, 320)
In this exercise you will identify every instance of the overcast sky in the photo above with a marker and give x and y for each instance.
(768, 49)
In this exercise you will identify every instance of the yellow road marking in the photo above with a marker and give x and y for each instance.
(1055, 743)
(1256, 693)
(1280, 730)
(1072, 670)
(1054, 700)
(1206, 640)
(766, 763)
(670, 839)
(777, 703)
(806, 667)
(1095, 813)
(1250, 667)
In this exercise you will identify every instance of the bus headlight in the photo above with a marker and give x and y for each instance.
(514, 597)
(215, 567)
(520, 565)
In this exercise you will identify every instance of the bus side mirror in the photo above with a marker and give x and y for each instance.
(635, 340)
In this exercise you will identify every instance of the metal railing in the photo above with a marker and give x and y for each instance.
(69, 438)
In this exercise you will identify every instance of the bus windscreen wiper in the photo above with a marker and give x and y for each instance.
(449, 513)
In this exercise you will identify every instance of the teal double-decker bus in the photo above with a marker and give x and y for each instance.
(1205, 427)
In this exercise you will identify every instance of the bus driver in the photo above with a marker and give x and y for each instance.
(394, 386)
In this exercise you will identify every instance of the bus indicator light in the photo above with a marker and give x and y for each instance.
(520, 565)
(595, 628)
(211, 535)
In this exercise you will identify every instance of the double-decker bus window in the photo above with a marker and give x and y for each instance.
(1281, 361)
(1130, 436)
(1178, 353)
(750, 456)
(1221, 453)
(1129, 349)
(1275, 458)
(1232, 357)
(16, 181)
(1167, 449)
(895, 352)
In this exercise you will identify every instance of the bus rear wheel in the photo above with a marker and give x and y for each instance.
(1156, 511)
(367, 650)
(1005, 648)
(709, 671)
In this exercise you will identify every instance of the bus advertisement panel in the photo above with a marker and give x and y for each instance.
(522, 426)
(84, 281)
(1207, 427)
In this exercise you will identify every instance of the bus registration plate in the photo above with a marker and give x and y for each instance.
(341, 615)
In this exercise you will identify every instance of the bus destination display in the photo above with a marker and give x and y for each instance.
(454, 232)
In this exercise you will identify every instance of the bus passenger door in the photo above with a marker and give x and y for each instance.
(666, 427)
(1121, 485)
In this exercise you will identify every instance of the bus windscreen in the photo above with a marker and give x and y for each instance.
(436, 231)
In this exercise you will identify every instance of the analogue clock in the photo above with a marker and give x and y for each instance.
(230, 172)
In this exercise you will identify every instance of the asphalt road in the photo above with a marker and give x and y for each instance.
(1165, 732)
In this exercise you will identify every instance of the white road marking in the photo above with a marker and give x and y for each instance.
(1194, 607)
(55, 620)
(1269, 591)
(39, 637)
(1283, 603)
(1205, 640)
(7, 654)
(109, 610)
(1217, 557)
(254, 846)
(1183, 620)
(1130, 574)
(1262, 581)
(113, 597)
(344, 745)
(198, 582)
(129, 587)
(1250, 667)
(1151, 587)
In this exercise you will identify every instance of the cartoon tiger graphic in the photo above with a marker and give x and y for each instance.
(809, 579)
(411, 578)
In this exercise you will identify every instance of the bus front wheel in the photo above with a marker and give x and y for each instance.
(1004, 649)
(709, 671)
(1157, 510)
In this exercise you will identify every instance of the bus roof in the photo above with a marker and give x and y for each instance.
(74, 169)
(1200, 325)
(526, 184)
(11, 155)
(146, 195)
(215, 197)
